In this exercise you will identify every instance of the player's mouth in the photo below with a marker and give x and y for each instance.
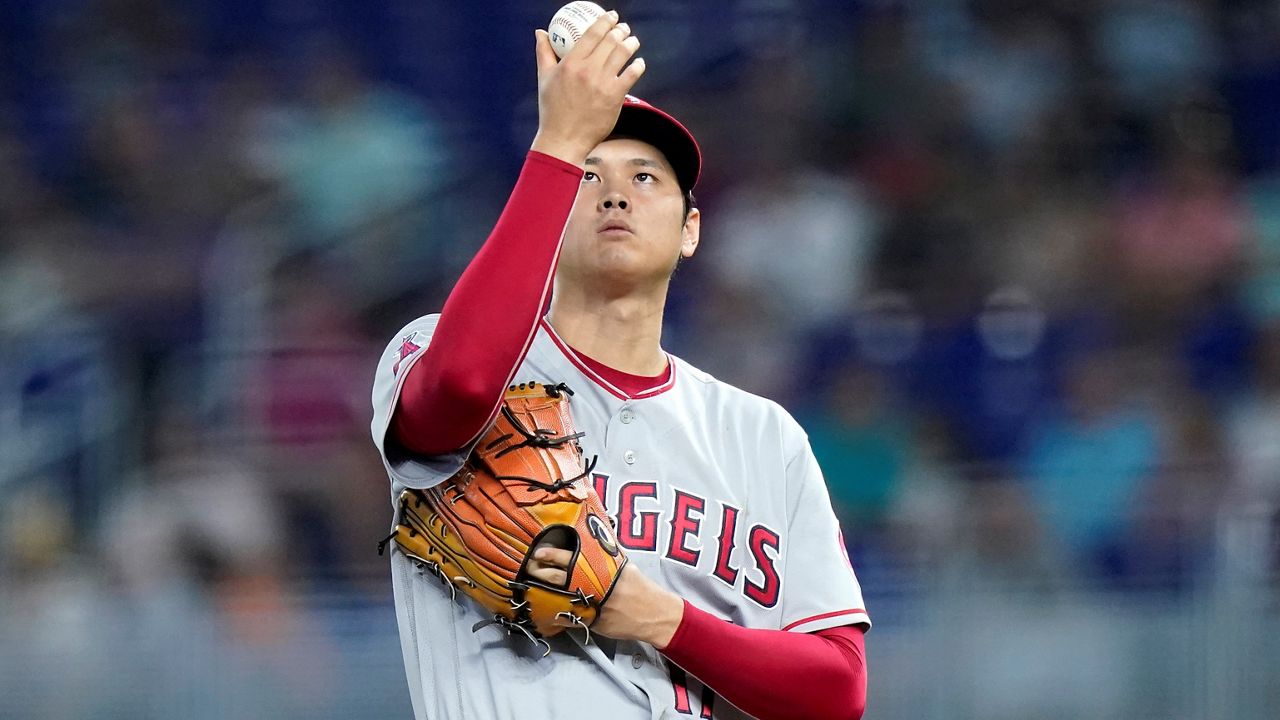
(615, 228)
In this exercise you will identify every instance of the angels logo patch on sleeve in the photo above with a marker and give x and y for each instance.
(407, 347)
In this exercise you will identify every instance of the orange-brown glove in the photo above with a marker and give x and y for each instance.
(525, 485)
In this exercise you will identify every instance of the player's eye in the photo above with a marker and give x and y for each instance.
(590, 177)
(645, 177)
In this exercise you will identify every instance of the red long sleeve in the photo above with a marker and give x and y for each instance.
(774, 674)
(488, 322)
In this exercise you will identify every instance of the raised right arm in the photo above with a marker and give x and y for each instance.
(452, 393)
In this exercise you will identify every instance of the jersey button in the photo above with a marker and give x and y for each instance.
(627, 415)
(629, 457)
(637, 660)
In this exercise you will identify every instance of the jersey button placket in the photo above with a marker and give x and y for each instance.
(629, 457)
(627, 415)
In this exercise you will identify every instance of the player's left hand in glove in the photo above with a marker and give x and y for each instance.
(524, 487)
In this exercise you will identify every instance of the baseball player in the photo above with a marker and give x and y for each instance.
(737, 599)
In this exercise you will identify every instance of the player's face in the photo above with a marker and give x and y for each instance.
(628, 223)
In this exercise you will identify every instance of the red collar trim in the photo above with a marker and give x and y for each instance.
(667, 380)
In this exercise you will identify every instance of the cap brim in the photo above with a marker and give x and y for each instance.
(645, 122)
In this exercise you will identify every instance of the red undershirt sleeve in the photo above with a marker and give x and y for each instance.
(775, 674)
(489, 319)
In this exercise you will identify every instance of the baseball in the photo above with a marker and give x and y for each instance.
(569, 23)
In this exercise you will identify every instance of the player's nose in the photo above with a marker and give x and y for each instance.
(612, 200)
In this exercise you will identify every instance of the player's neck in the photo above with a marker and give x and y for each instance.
(624, 333)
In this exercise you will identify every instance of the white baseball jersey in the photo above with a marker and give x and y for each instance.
(717, 497)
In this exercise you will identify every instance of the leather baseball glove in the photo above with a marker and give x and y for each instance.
(524, 485)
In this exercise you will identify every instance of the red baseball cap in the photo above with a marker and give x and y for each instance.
(643, 121)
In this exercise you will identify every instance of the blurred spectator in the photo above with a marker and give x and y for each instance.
(197, 521)
(1090, 460)
(927, 517)
(1176, 236)
(1261, 287)
(862, 446)
(1249, 524)
(1047, 238)
(799, 236)
(57, 380)
(992, 375)
(1002, 544)
(727, 321)
(884, 334)
(202, 529)
(354, 151)
(875, 102)
(305, 399)
(1254, 427)
(362, 165)
(1251, 82)
(1156, 48)
(51, 603)
(1005, 61)
(1217, 341)
(1173, 531)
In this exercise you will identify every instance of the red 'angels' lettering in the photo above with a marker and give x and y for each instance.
(638, 530)
(683, 523)
(646, 538)
(708, 703)
(680, 683)
(767, 593)
(600, 482)
(728, 528)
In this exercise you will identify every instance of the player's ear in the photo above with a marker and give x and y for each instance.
(689, 234)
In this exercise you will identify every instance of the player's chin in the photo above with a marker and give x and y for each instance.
(619, 258)
(627, 264)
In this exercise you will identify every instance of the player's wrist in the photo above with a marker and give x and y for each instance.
(567, 150)
(653, 613)
(670, 615)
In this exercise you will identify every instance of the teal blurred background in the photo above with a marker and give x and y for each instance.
(1014, 265)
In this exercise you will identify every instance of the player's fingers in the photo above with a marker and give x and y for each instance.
(628, 78)
(594, 35)
(548, 574)
(609, 43)
(553, 556)
(555, 578)
(546, 56)
(621, 53)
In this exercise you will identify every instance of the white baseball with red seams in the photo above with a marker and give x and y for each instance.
(569, 23)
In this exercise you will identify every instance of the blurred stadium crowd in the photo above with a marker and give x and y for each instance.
(1015, 266)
